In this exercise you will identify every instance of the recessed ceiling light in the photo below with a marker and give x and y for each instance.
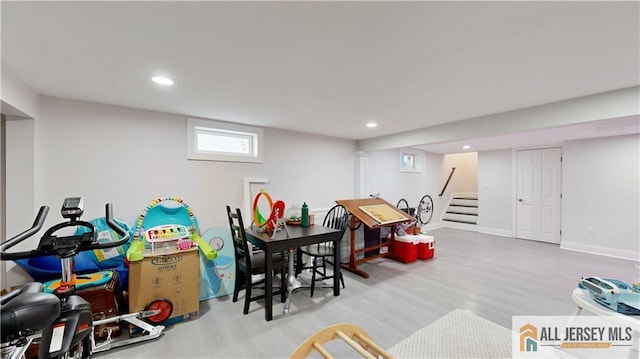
(466, 147)
(372, 125)
(162, 80)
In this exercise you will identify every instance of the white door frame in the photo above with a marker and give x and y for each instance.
(557, 203)
(362, 175)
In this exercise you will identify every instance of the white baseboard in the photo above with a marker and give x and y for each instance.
(431, 226)
(495, 231)
(462, 226)
(602, 251)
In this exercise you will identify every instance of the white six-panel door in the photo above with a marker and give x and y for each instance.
(539, 194)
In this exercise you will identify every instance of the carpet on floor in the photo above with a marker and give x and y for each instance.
(462, 334)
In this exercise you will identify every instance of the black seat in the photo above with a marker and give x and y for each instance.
(321, 254)
(250, 264)
(27, 310)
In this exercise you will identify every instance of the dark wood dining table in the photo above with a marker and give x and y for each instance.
(291, 238)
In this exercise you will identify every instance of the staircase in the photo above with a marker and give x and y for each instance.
(462, 212)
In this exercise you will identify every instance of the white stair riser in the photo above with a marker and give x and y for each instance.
(470, 210)
(466, 202)
(461, 217)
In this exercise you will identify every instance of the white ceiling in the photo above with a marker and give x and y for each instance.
(325, 67)
(553, 136)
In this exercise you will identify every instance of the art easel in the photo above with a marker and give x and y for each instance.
(359, 216)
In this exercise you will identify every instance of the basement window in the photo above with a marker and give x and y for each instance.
(409, 162)
(211, 140)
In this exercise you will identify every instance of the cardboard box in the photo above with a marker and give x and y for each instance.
(174, 277)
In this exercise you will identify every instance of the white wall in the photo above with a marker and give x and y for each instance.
(17, 95)
(495, 172)
(21, 105)
(19, 196)
(129, 157)
(465, 178)
(601, 196)
(20, 174)
(386, 178)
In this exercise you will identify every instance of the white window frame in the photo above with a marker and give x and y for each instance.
(196, 126)
(414, 164)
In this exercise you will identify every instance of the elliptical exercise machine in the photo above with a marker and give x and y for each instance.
(63, 321)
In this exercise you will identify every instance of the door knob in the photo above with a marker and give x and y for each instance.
(520, 200)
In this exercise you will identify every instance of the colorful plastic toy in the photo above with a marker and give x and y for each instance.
(170, 221)
(156, 214)
(276, 218)
(217, 277)
(613, 294)
(258, 218)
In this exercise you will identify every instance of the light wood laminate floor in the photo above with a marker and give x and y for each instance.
(493, 277)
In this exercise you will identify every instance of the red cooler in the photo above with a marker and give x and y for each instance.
(405, 249)
(426, 246)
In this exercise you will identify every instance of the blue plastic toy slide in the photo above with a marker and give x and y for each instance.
(218, 277)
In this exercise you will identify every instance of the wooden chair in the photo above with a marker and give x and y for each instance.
(356, 337)
(250, 264)
(321, 254)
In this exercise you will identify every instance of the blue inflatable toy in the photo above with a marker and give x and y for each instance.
(46, 268)
(110, 258)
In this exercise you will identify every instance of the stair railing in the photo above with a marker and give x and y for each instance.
(453, 169)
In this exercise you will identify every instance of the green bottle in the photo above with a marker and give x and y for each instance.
(304, 216)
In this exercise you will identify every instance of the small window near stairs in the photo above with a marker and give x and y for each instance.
(410, 162)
